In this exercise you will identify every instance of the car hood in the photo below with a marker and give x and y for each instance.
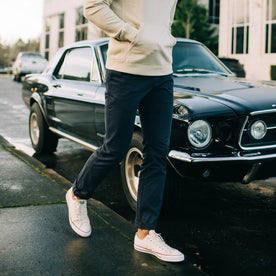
(216, 92)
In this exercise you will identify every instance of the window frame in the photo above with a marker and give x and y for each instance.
(63, 61)
(61, 28)
(269, 24)
(239, 26)
(214, 11)
(81, 26)
(47, 41)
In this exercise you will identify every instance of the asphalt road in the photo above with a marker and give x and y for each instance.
(223, 228)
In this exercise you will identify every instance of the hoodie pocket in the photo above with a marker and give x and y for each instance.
(150, 43)
(143, 45)
(117, 48)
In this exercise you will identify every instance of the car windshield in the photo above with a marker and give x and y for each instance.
(31, 55)
(195, 58)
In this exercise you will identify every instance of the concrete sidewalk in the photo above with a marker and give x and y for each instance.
(35, 236)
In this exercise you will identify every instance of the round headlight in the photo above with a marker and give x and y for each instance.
(199, 133)
(258, 130)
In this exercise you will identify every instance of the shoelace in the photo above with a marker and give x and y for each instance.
(81, 209)
(159, 242)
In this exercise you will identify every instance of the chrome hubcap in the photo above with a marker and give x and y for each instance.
(132, 170)
(34, 129)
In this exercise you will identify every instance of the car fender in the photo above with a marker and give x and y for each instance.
(36, 98)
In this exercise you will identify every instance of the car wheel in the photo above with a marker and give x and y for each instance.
(17, 77)
(43, 141)
(130, 170)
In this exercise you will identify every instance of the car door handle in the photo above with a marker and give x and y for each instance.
(56, 85)
(79, 94)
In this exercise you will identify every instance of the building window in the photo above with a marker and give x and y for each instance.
(240, 27)
(61, 21)
(214, 11)
(270, 32)
(47, 41)
(81, 34)
(81, 25)
(61, 31)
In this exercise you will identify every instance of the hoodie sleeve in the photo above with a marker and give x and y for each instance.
(100, 13)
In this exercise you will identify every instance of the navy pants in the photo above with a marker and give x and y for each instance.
(125, 94)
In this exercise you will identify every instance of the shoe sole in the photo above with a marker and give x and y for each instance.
(166, 258)
(73, 226)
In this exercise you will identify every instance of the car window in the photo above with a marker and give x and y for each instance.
(189, 56)
(77, 65)
(31, 55)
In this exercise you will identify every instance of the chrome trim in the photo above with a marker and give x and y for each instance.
(263, 112)
(54, 119)
(258, 148)
(74, 139)
(79, 98)
(274, 127)
(185, 157)
(100, 135)
(99, 55)
(97, 65)
(244, 129)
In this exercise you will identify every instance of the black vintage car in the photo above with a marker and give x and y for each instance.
(223, 128)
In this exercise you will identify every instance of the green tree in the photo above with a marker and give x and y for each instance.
(8, 53)
(33, 45)
(21, 46)
(191, 21)
(4, 55)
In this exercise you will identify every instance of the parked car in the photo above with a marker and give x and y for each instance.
(234, 66)
(223, 128)
(4, 70)
(28, 63)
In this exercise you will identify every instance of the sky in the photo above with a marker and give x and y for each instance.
(20, 19)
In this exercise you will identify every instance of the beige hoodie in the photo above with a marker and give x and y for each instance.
(140, 30)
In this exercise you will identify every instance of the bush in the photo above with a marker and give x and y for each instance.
(273, 72)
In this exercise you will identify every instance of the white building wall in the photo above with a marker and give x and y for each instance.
(256, 63)
(52, 9)
(225, 29)
(70, 19)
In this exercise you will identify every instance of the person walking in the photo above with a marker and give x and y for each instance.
(138, 77)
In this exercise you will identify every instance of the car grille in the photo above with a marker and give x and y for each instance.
(269, 141)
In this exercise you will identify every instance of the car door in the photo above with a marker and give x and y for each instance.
(73, 94)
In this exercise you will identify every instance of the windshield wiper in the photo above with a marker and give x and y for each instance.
(198, 70)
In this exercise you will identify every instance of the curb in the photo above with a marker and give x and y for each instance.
(110, 217)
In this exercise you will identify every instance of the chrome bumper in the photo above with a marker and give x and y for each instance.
(185, 157)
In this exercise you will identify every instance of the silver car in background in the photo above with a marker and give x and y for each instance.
(28, 63)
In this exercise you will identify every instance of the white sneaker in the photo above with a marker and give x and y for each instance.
(78, 218)
(155, 245)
